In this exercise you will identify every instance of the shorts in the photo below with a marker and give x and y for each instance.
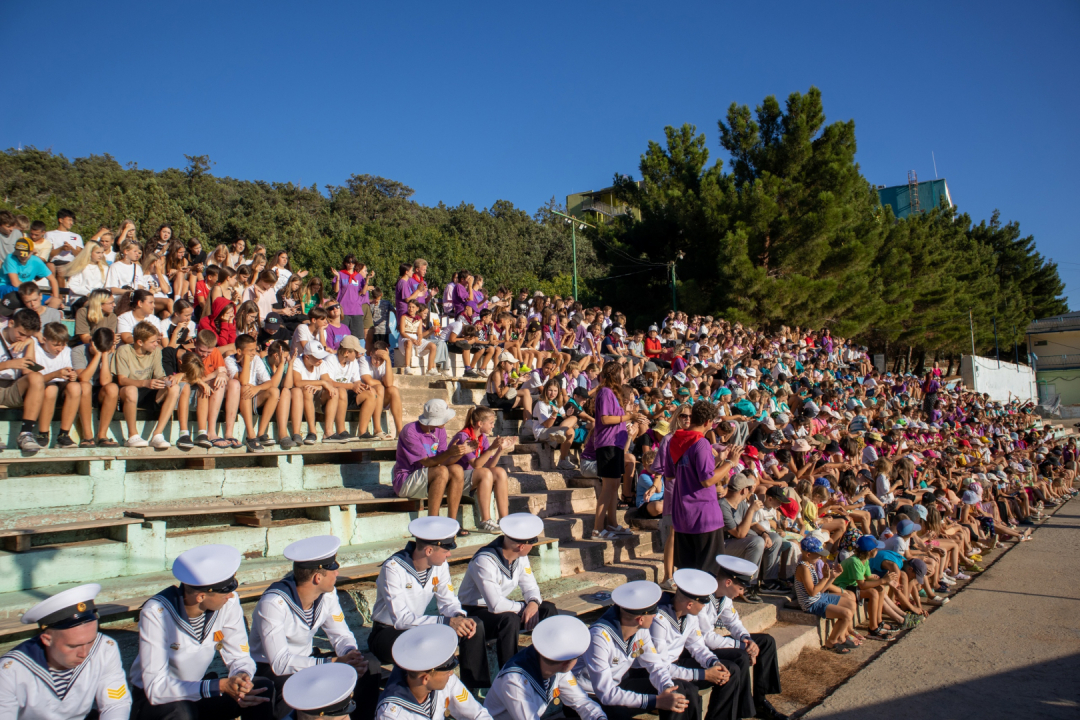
(575, 355)
(415, 485)
(610, 462)
(588, 468)
(819, 605)
(876, 512)
(644, 514)
(580, 434)
(459, 347)
(380, 337)
(499, 403)
(10, 395)
(148, 400)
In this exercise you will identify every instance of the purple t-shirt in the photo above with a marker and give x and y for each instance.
(412, 447)
(461, 299)
(606, 404)
(401, 296)
(661, 467)
(334, 335)
(695, 508)
(351, 293)
(466, 461)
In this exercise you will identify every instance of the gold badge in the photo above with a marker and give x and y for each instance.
(7, 664)
(81, 607)
(116, 693)
(555, 698)
(340, 617)
(408, 586)
(218, 646)
(447, 713)
(109, 642)
(175, 646)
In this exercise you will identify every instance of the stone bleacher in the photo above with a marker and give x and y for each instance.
(120, 516)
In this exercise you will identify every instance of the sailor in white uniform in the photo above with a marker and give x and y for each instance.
(66, 670)
(322, 691)
(407, 582)
(497, 570)
(423, 684)
(755, 653)
(292, 610)
(680, 642)
(621, 668)
(540, 676)
(180, 630)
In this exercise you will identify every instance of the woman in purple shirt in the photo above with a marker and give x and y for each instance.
(610, 463)
(350, 283)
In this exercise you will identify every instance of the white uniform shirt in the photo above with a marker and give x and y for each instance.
(398, 703)
(282, 632)
(609, 658)
(520, 691)
(720, 614)
(29, 690)
(173, 658)
(489, 580)
(672, 635)
(401, 598)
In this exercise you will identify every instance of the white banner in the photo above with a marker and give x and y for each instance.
(1001, 381)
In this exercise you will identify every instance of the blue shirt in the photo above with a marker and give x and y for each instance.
(34, 269)
(644, 482)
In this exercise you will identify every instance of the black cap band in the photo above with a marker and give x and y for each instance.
(329, 563)
(640, 611)
(449, 543)
(225, 586)
(344, 707)
(703, 599)
(530, 541)
(71, 616)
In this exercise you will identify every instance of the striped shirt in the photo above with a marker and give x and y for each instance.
(197, 624)
(62, 680)
(805, 599)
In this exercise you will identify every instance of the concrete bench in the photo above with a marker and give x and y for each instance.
(260, 515)
(18, 539)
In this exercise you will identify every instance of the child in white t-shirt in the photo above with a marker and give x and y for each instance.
(258, 389)
(54, 356)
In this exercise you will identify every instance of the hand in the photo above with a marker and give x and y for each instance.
(55, 302)
(312, 389)
(460, 449)
(249, 391)
(158, 383)
(463, 626)
(757, 505)
(530, 615)
(768, 540)
(672, 699)
(717, 674)
(355, 658)
(752, 650)
(69, 374)
(219, 381)
(507, 443)
(384, 354)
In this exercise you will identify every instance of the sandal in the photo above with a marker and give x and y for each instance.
(839, 649)
(85, 444)
(221, 443)
(106, 442)
(384, 436)
(234, 443)
(462, 532)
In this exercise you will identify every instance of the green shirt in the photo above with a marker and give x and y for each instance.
(854, 571)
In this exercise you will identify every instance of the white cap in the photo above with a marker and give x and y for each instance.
(507, 357)
(521, 526)
(636, 595)
(424, 647)
(315, 349)
(322, 689)
(695, 584)
(560, 638)
(742, 570)
(435, 529)
(67, 609)
(436, 413)
(207, 566)
(740, 372)
(751, 372)
(310, 551)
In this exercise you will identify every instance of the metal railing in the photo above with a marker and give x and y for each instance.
(1058, 362)
(605, 208)
(1054, 324)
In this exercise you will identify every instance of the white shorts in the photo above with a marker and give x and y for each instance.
(588, 468)
(415, 485)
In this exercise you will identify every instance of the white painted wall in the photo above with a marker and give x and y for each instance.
(983, 375)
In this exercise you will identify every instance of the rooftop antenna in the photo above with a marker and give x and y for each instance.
(935, 163)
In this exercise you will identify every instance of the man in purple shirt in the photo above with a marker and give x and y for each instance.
(425, 467)
(463, 292)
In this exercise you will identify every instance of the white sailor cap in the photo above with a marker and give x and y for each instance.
(560, 638)
(638, 597)
(211, 568)
(426, 647)
(65, 610)
(523, 527)
(695, 584)
(322, 689)
(436, 530)
(315, 553)
(740, 570)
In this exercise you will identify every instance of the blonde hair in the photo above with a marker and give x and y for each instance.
(83, 259)
(94, 301)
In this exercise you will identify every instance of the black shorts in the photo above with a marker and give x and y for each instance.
(575, 355)
(501, 403)
(380, 337)
(458, 347)
(610, 462)
(148, 400)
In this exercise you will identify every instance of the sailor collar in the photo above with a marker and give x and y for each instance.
(610, 623)
(527, 664)
(495, 548)
(666, 607)
(397, 692)
(173, 601)
(31, 654)
(286, 589)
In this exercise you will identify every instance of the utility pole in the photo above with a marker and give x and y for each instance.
(997, 352)
(680, 256)
(574, 224)
(971, 324)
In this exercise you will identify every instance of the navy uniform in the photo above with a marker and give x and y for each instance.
(169, 679)
(490, 579)
(33, 688)
(402, 594)
(720, 614)
(624, 675)
(427, 649)
(283, 631)
(322, 691)
(681, 643)
(521, 692)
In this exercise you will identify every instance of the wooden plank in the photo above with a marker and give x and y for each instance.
(239, 509)
(64, 527)
(202, 462)
(17, 544)
(259, 518)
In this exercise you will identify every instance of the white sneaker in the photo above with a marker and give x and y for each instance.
(27, 443)
(565, 464)
(433, 372)
(619, 530)
(948, 580)
(158, 442)
(136, 441)
(962, 576)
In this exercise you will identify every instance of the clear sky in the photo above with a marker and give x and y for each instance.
(477, 102)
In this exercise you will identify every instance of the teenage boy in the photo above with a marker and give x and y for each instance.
(65, 244)
(312, 330)
(424, 466)
(54, 356)
(343, 372)
(743, 537)
(307, 377)
(99, 389)
(258, 389)
(262, 292)
(20, 386)
(23, 267)
(143, 384)
(216, 377)
(9, 234)
(375, 372)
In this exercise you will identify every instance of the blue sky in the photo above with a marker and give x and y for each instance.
(476, 102)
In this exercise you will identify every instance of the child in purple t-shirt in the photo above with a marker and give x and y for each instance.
(481, 465)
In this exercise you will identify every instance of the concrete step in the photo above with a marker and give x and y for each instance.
(576, 556)
(792, 639)
(579, 526)
(551, 503)
(535, 481)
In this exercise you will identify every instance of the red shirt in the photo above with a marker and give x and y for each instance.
(653, 347)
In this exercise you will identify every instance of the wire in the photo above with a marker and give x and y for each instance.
(627, 256)
(612, 277)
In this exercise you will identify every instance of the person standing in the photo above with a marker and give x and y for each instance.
(69, 668)
(609, 438)
(695, 513)
(350, 283)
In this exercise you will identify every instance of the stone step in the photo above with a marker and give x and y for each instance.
(792, 639)
(554, 502)
(535, 481)
(576, 556)
(579, 526)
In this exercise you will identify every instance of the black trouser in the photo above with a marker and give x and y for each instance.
(765, 672)
(505, 627)
(218, 708)
(473, 656)
(729, 701)
(366, 694)
(637, 680)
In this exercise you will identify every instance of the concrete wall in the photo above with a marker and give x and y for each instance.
(1065, 383)
(1002, 383)
(1066, 342)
